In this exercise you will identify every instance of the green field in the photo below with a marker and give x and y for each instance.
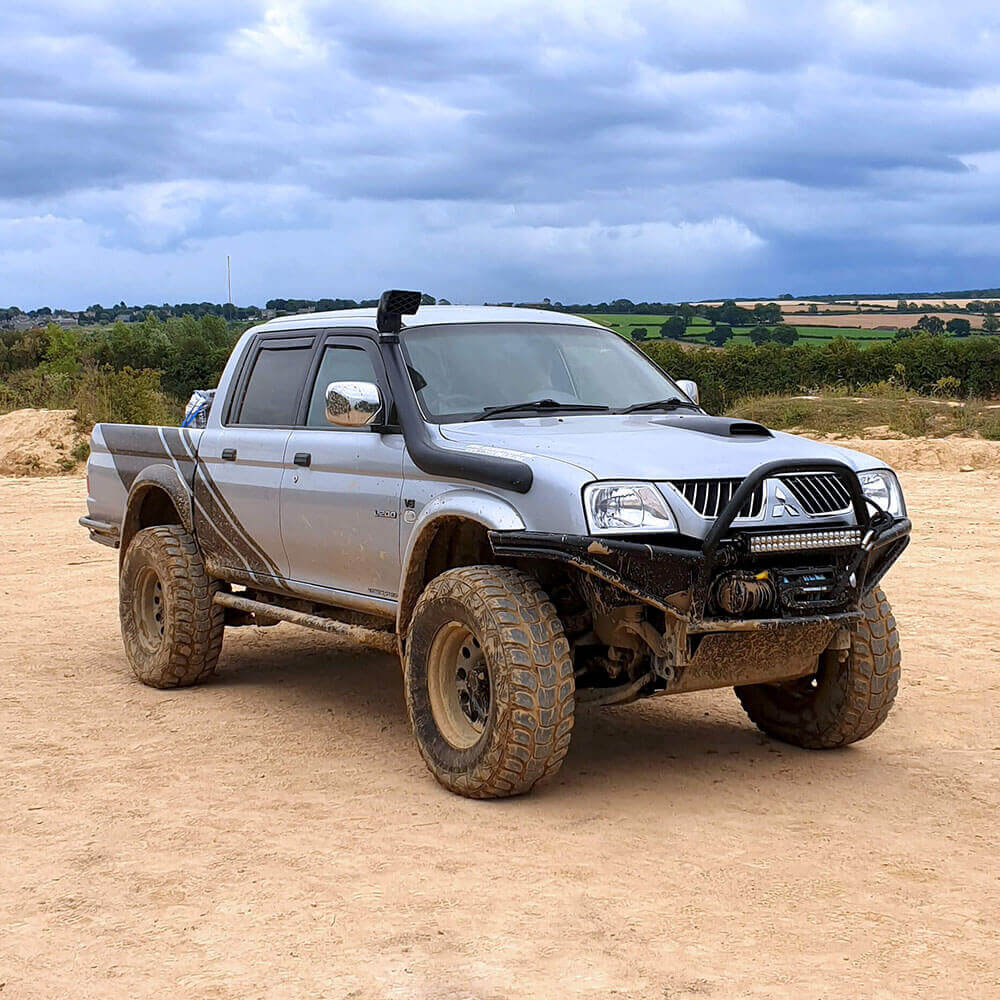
(626, 323)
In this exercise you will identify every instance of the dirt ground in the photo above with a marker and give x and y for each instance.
(39, 442)
(274, 833)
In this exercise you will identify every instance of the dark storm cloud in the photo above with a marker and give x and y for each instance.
(561, 147)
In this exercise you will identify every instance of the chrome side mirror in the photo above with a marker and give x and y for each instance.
(689, 388)
(352, 404)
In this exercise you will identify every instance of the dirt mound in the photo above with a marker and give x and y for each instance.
(40, 443)
(921, 454)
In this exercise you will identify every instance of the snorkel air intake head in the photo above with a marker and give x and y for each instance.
(392, 307)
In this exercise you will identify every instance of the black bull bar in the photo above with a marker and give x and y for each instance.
(678, 580)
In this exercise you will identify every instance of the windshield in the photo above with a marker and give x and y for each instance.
(460, 370)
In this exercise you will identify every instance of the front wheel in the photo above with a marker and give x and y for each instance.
(847, 699)
(489, 682)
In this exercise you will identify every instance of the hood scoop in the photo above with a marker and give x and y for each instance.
(718, 426)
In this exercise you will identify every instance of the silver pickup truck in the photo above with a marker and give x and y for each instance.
(526, 509)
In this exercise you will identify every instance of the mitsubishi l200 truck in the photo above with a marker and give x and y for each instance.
(527, 510)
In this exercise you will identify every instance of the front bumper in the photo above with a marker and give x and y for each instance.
(678, 578)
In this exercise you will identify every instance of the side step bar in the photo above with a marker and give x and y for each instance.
(374, 638)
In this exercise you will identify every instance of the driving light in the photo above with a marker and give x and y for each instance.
(619, 508)
(883, 489)
(836, 538)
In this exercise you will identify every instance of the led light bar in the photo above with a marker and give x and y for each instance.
(794, 541)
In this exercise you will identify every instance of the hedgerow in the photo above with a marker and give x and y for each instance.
(970, 366)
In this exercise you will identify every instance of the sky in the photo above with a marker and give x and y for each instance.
(494, 151)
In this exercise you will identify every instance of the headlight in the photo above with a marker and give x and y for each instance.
(618, 508)
(883, 488)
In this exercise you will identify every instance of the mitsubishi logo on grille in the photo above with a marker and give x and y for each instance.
(781, 505)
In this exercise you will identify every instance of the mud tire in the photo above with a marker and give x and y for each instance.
(165, 561)
(527, 729)
(845, 701)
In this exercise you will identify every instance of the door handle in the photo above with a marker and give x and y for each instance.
(228, 454)
(303, 458)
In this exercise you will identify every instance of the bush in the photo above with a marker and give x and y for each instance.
(784, 334)
(121, 397)
(97, 395)
(674, 328)
(931, 324)
(719, 334)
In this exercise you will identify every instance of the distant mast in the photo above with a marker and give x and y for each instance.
(229, 280)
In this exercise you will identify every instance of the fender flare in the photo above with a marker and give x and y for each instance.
(490, 512)
(167, 480)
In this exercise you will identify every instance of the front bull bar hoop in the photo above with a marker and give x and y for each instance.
(768, 470)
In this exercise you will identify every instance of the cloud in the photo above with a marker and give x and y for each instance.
(571, 148)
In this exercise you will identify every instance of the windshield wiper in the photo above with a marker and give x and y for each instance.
(540, 406)
(661, 404)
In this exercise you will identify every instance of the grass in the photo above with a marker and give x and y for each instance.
(870, 416)
(697, 329)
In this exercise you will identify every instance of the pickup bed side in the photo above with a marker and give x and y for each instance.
(125, 456)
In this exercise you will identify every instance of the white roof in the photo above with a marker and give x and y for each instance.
(425, 316)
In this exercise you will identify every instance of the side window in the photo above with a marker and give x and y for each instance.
(339, 364)
(274, 388)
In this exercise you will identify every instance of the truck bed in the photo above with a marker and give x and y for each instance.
(118, 454)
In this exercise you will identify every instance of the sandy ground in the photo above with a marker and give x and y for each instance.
(274, 833)
(38, 442)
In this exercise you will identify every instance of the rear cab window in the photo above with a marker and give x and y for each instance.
(273, 388)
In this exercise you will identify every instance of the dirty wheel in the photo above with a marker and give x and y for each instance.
(848, 697)
(171, 628)
(489, 682)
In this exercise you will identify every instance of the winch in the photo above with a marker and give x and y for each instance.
(742, 593)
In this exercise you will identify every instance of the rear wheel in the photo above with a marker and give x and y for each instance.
(171, 628)
(847, 699)
(489, 682)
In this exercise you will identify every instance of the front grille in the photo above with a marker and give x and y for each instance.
(819, 492)
(710, 496)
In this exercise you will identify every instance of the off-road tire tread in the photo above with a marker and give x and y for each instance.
(521, 634)
(854, 707)
(196, 623)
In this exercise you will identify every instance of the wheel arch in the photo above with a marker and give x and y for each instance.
(158, 495)
(452, 531)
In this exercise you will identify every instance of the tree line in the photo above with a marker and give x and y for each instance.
(188, 353)
(728, 313)
(99, 315)
(142, 372)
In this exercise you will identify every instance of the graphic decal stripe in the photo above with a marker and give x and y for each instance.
(179, 452)
(249, 550)
(219, 513)
(134, 448)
